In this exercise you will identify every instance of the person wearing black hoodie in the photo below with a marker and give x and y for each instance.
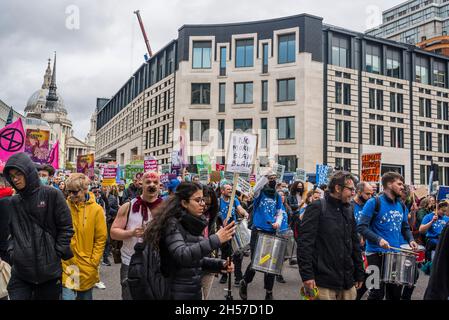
(5, 195)
(41, 230)
(438, 287)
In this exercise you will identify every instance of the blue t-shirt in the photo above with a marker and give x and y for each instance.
(265, 212)
(437, 227)
(224, 209)
(387, 223)
(357, 211)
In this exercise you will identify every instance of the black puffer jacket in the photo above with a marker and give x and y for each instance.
(35, 253)
(184, 258)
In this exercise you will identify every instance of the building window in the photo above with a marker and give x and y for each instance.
(289, 162)
(264, 133)
(446, 143)
(400, 103)
(286, 90)
(221, 131)
(440, 142)
(393, 63)
(338, 130)
(400, 137)
(439, 74)
(422, 143)
(265, 58)
(222, 61)
(340, 51)
(200, 93)
(286, 48)
(347, 131)
(264, 95)
(199, 130)
(243, 125)
(372, 56)
(347, 94)
(380, 135)
(243, 93)
(397, 138)
(372, 134)
(342, 131)
(338, 92)
(439, 110)
(372, 98)
(202, 54)
(428, 108)
(425, 141)
(392, 102)
(286, 128)
(422, 70)
(222, 97)
(428, 141)
(380, 100)
(244, 53)
(445, 111)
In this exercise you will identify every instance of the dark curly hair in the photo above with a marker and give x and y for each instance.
(170, 208)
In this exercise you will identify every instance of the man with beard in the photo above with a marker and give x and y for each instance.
(268, 218)
(129, 224)
(134, 190)
(383, 223)
(364, 192)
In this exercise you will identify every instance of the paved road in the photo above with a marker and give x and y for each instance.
(282, 291)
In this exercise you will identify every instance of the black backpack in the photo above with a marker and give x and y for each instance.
(145, 279)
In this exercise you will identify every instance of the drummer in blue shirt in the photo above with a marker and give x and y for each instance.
(384, 229)
(268, 217)
(432, 225)
(226, 248)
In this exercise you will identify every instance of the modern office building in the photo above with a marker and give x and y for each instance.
(424, 23)
(313, 93)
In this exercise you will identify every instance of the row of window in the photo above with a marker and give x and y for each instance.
(425, 141)
(376, 100)
(244, 53)
(200, 129)
(243, 93)
(425, 109)
(374, 59)
(376, 136)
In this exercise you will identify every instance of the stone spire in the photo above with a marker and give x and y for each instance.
(47, 76)
(52, 98)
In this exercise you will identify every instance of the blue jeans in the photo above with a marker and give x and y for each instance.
(22, 290)
(69, 294)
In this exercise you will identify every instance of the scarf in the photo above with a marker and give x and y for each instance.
(269, 192)
(145, 206)
(194, 225)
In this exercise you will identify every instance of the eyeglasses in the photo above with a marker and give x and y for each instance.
(199, 200)
(352, 189)
(73, 191)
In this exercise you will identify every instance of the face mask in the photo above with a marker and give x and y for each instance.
(272, 184)
(300, 190)
(44, 181)
(362, 199)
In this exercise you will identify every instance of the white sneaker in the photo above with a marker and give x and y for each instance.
(100, 285)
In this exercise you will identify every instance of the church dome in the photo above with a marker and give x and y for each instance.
(36, 103)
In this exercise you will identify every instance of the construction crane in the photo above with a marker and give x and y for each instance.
(150, 53)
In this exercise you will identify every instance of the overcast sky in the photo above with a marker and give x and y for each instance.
(98, 50)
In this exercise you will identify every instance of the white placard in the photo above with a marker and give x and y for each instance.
(241, 152)
(279, 169)
(244, 187)
(300, 175)
(204, 176)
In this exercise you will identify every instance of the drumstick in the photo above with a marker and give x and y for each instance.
(404, 250)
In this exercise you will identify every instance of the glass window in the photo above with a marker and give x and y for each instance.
(264, 95)
(422, 70)
(223, 57)
(392, 102)
(380, 100)
(243, 92)
(347, 131)
(199, 130)
(264, 132)
(347, 94)
(439, 74)
(372, 98)
(338, 92)
(265, 58)
(338, 130)
(428, 108)
(289, 162)
(421, 140)
(286, 90)
(428, 141)
(244, 53)
(440, 142)
(221, 131)
(286, 48)
(286, 128)
(439, 110)
(340, 51)
(200, 93)
(222, 97)
(372, 134)
(243, 124)
(400, 103)
(380, 135)
(372, 58)
(445, 111)
(393, 137)
(202, 54)
(393, 63)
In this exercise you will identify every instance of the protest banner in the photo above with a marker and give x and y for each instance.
(279, 169)
(371, 163)
(132, 169)
(36, 145)
(215, 176)
(165, 168)
(252, 180)
(109, 175)
(204, 176)
(443, 193)
(300, 175)
(220, 167)
(322, 174)
(150, 163)
(12, 140)
(86, 164)
(244, 187)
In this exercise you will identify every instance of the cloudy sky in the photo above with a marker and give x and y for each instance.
(99, 43)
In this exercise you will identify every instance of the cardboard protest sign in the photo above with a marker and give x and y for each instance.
(244, 187)
(279, 169)
(300, 175)
(165, 169)
(86, 164)
(421, 192)
(37, 145)
(322, 174)
(371, 167)
(109, 175)
(150, 163)
(215, 176)
(241, 152)
(204, 176)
